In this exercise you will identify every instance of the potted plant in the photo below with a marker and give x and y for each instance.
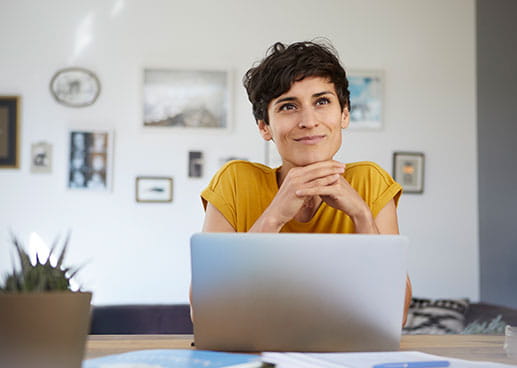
(43, 323)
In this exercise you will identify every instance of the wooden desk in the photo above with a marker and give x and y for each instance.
(471, 347)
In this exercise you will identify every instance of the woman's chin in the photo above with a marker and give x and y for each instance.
(305, 161)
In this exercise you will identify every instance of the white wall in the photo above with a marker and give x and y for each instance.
(138, 253)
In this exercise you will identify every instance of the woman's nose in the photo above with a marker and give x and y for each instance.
(308, 119)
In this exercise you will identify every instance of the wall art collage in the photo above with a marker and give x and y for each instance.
(192, 100)
(195, 100)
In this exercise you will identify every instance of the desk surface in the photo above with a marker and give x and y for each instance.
(471, 347)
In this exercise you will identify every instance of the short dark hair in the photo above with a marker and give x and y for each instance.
(286, 64)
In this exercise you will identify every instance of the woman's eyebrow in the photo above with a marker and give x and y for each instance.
(285, 99)
(316, 95)
(289, 99)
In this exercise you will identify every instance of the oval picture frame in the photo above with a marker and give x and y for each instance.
(75, 87)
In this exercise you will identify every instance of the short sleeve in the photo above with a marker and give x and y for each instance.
(220, 192)
(374, 184)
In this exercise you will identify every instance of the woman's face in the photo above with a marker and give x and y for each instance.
(305, 122)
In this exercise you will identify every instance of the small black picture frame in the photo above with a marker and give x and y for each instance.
(195, 164)
(153, 189)
(9, 132)
(408, 171)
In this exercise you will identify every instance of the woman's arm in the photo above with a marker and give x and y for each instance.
(387, 219)
(387, 223)
(215, 222)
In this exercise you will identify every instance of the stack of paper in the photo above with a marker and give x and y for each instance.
(369, 360)
(212, 359)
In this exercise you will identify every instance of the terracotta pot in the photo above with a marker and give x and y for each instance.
(43, 330)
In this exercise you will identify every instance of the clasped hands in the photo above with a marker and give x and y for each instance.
(321, 179)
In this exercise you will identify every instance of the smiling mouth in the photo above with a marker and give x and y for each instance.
(310, 139)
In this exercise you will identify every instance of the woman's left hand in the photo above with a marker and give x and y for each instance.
(338, 194)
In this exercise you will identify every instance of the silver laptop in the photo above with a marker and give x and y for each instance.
(298, 292)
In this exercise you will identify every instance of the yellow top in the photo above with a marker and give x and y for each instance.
(242, 190)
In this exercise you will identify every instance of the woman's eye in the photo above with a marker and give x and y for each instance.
(322, 101)
(287, 107)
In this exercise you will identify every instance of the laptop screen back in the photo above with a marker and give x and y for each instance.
(298, 292)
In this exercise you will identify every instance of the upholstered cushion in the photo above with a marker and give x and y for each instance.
(141, 319)
(485, 312)
(440, 316)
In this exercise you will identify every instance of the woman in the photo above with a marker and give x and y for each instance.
(300, 99)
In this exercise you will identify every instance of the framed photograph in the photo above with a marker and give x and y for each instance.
(408, 171)
(366, 99)
(186, 99)
(153, 189)
(9, 132)
(195, 164)
(90, 159)
(41, 158)
(75, 87)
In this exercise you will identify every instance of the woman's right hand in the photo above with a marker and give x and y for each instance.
(286, 204)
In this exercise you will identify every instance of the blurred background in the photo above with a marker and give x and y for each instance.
(449, 82)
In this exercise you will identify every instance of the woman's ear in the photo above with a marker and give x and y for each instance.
(265, 130)
(345, 118)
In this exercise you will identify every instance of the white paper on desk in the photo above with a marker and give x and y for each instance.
(365, 360)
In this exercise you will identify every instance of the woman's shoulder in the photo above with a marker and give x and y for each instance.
(243, 169)
(364, 165)
(243, 166)
(367, 169)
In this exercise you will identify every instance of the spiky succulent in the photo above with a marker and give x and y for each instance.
(41, 276)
